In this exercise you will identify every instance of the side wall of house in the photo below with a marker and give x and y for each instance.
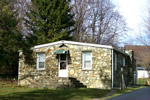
(132, 67)
(98, 77)
(100, 74)
(123, 74)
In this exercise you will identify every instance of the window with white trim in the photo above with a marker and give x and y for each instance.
(87, 60)
(40, 61)
(116, 61)
(124, 62)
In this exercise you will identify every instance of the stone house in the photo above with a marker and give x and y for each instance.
(76, 64)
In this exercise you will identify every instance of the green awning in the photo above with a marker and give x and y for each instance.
(60, 51)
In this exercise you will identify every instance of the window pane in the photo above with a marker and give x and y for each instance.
(41, 64)
(87, 56)
(87, 60)
(40, 61)
(42, 57)
(63, 57)
(87, 64)
(124, 62)
(63, 65)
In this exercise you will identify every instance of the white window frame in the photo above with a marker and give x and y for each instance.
(83, 60)
(116, 61)
(38, 60)
(124, 62)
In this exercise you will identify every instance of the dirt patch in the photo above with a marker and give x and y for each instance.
(8, 82)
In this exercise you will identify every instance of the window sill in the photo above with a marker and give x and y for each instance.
(40, 69)
(87, 69)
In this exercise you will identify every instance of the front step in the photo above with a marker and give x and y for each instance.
(77, 83)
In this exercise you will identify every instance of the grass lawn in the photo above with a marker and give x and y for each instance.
(22, 93)
(10, 91)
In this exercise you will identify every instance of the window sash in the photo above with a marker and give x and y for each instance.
(40, 61)
(41, 57)
(86, 60)
(41, 64)
(87, 64)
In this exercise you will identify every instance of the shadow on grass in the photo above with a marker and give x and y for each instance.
(56, 94)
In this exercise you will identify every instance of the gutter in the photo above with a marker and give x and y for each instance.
(73, 43)
(78, 43)
(18, 68)
(112, 72)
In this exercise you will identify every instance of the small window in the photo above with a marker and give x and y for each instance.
(87, 60)
(116, 61)
(124, 62)
(40, 61)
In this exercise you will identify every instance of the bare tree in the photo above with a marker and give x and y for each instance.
(81, 10)
(144, 28)
(21, 8)
(98, 21)
(145, 39)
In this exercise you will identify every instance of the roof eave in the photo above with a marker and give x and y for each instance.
(74, 43)
(77, 43)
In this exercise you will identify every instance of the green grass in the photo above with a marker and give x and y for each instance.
(10, 91)
(22, 93)
(142, 81)
(120, 92)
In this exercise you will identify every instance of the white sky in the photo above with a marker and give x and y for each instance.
(134, 12)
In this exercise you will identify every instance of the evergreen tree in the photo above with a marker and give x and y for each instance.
(50, 20)
(11, 40)
(7, 37)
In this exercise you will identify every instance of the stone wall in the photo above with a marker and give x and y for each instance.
(126, 70)
(98, 77)
(132, 65)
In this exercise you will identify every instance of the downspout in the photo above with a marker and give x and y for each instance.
(19, 66)
(112, 67)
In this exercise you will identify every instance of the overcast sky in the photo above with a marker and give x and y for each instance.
(134, 11)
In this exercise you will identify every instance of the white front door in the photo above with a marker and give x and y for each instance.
(62, 67)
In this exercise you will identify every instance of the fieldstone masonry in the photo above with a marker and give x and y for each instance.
(98, 77)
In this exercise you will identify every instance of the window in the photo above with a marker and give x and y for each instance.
(40, 61)
(87, 60)
(124, 62)
(115, 61)
(63, 61)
